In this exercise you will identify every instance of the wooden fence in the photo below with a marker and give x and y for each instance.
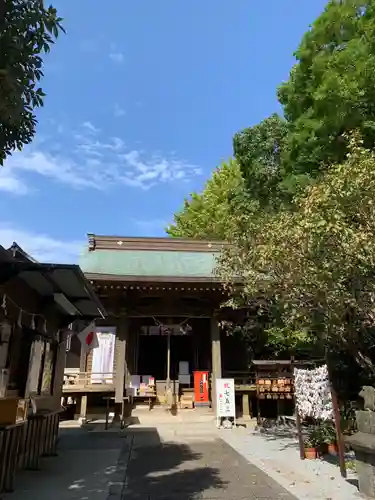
(22, 445)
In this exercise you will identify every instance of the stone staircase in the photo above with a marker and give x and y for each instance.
(160, 415)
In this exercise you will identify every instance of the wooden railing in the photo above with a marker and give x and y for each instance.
(80, 380)
(23, 444)
(10, 438)
(40, 439)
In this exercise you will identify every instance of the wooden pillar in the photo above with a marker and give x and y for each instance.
(83, 409)
(216, 356)
(246, 415)
(58, 370)
(121, 340)
(168, 360)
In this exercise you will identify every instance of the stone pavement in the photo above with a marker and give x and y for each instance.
(277, 454)
(192, 466)
(147, 464)
(82, 470)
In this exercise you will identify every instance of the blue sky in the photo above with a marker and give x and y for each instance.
(143, 99)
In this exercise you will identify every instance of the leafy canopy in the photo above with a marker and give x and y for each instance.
(27, 29)
(259, 151)
(318, 261)
(331, 91)
(210, 215)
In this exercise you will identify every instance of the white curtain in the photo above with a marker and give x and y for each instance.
(103, 356)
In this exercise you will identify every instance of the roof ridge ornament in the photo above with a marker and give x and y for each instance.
(92, 242)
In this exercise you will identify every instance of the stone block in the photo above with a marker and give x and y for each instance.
(364, 448)
(365, 421)
(365, 464)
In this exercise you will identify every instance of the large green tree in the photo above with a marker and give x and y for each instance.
(331, 88)
(27, 30)
(318, 261)
(217, 211)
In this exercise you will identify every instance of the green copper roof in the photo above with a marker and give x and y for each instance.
(149, 263)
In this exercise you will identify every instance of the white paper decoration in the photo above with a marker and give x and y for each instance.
(313, 393)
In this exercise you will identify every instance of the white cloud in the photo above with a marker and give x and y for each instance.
(118, 111)
(116, 57)
(39, 246)
(55, 167)
(86, 160)
(90, 127)
(10, 184)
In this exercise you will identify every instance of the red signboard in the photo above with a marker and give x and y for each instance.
(201, 394)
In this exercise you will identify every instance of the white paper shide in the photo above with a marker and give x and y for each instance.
(313, 393)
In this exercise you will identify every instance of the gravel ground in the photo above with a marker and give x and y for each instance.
(278, 457)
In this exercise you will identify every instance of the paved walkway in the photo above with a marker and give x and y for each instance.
(186, 467)
(146, 464)
(278, 457)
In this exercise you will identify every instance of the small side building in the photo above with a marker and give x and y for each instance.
(38, 302)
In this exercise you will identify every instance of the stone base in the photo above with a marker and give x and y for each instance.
(365, 464)
(364, 447)
(365, 421)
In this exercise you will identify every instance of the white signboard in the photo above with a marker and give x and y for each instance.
(225, 401)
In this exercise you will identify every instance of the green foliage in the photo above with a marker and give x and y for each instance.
(316, 436)
(318, 261)
(330, 90)
(259, 151)
(210, 215)
(283, 339)
(27, 29)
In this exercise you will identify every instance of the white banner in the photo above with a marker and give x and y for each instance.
(225, 400)
(103, 356)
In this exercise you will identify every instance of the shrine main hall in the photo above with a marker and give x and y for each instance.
(163, 301)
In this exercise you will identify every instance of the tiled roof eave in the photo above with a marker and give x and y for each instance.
(151, 279)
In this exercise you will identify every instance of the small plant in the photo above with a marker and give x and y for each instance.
(350, 465)
(329, 434)
(314, 438)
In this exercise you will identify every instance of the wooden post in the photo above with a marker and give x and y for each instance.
(337, 420)
(168, 360)
(121, 334)
(301, 443)
(216, 356)
(83, 410)
(245, 406)
(340, 441)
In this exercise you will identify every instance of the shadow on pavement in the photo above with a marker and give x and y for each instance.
(168, 471)
(89, 461)
(82, 470)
